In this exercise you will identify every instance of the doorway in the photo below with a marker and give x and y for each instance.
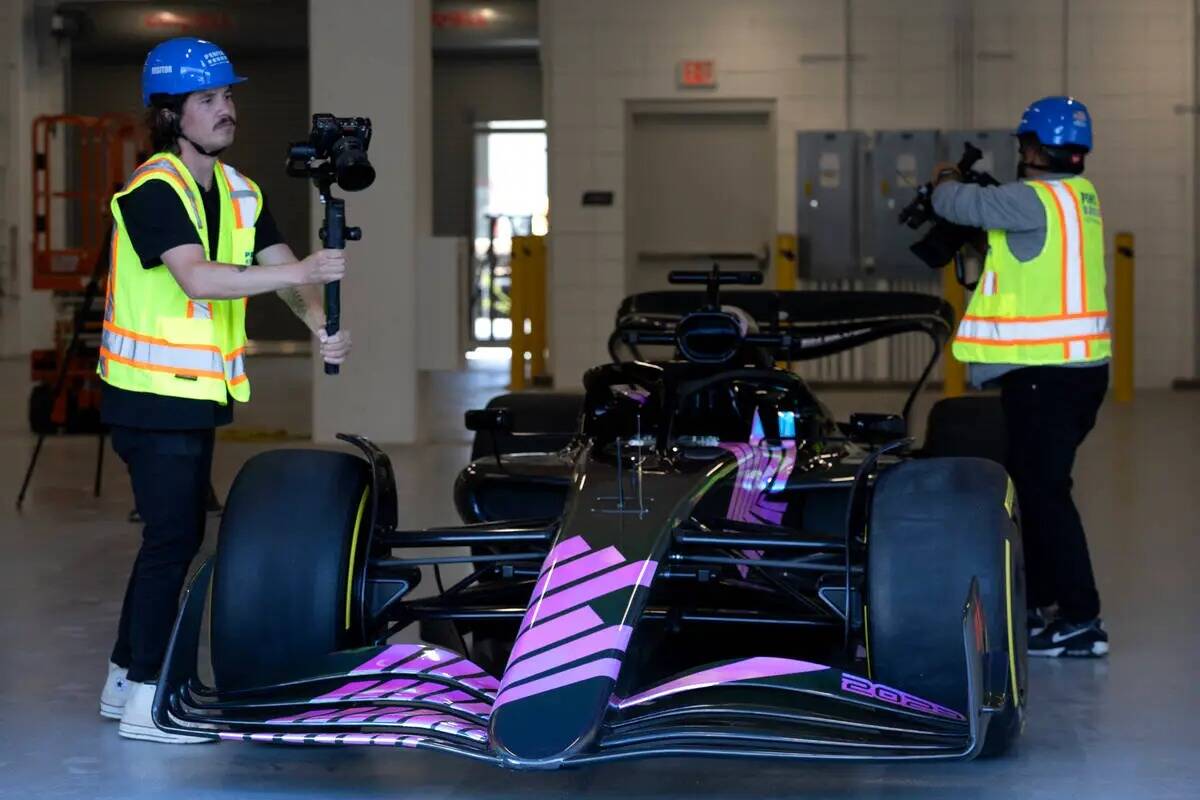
(511, 199)
(701, 185)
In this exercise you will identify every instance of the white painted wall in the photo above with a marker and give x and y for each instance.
(441, 303)
(922, 64)
(32, 85)
(373, 59)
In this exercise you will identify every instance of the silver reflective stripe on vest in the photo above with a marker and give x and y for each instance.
(241, 193)
(200, 310)
(148, 354)
(167, 166)
(235, 367)
(1032, 331)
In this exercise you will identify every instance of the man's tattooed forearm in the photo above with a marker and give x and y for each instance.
(295, 301)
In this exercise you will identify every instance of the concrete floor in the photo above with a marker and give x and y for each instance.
(1122, 728)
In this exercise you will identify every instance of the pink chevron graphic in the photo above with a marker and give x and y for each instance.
(561, 628)
(381, 689)
(423, 658)
(612, 638)
(559, 576)
(386, 715)
(744, 670)
(416, 661)
(762, 468)
(354, 687)
(602, 668)
(382, 739)
(638, 573)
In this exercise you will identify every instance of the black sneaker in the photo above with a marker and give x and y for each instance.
(1062, 639)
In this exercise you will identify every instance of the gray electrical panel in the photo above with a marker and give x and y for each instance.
(999, 151)
(900, 162)
(828, 178)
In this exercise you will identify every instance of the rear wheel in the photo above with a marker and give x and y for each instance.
(935, 525)
(288, 550)
(971, 426)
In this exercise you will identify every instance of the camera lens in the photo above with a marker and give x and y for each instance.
(354, 171)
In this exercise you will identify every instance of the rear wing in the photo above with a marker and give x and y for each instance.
(817, 323)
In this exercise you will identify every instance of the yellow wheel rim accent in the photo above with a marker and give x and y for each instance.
(1012, 650)
(362, 507)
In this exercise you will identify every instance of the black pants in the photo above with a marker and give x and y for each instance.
(170, 475)
(1048, 412)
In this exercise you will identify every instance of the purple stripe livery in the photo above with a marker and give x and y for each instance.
(572, 576)
(762, 468)
(746, 670)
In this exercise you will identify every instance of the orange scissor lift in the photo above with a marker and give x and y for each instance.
(71, 228)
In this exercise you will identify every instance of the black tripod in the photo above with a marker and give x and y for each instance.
(99, 271)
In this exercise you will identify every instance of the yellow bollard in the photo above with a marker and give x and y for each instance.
(785, 262)
(518, 296)
(536, 307)
(955, 372)
(1122, 318)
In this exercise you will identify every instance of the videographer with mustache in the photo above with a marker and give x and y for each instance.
(193, 239)
(1037, 326)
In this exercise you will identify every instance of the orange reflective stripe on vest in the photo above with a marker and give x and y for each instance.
(147, 352)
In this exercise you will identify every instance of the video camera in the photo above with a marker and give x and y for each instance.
(340, 145)
(938, 247)
(335, 153)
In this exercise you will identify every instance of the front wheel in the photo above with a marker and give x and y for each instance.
(935, 525)
(290, 544)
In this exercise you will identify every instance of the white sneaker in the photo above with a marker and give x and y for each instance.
(138, 720)
(116, 691)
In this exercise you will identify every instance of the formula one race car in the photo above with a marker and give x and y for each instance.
(708, 565)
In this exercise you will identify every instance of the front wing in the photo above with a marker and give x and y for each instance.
(425, 697)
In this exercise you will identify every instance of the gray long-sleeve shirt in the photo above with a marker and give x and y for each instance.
(1012, 207)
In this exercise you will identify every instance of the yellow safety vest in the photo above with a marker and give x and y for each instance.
(1051, 309)
(155, 338)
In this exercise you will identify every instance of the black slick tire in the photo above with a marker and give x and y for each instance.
(284, 558)
(935, 524)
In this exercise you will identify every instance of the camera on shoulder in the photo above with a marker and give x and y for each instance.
(942, 242)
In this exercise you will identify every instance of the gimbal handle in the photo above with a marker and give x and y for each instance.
(334, 234)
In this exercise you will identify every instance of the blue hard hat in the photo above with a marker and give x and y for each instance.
(1058, 122)
(184, 65)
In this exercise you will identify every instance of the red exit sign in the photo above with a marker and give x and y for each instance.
(697, 74)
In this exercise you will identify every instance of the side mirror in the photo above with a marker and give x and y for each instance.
(876, 428)
(490, 419)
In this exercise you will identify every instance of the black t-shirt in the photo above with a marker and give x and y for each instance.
(156, 222)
